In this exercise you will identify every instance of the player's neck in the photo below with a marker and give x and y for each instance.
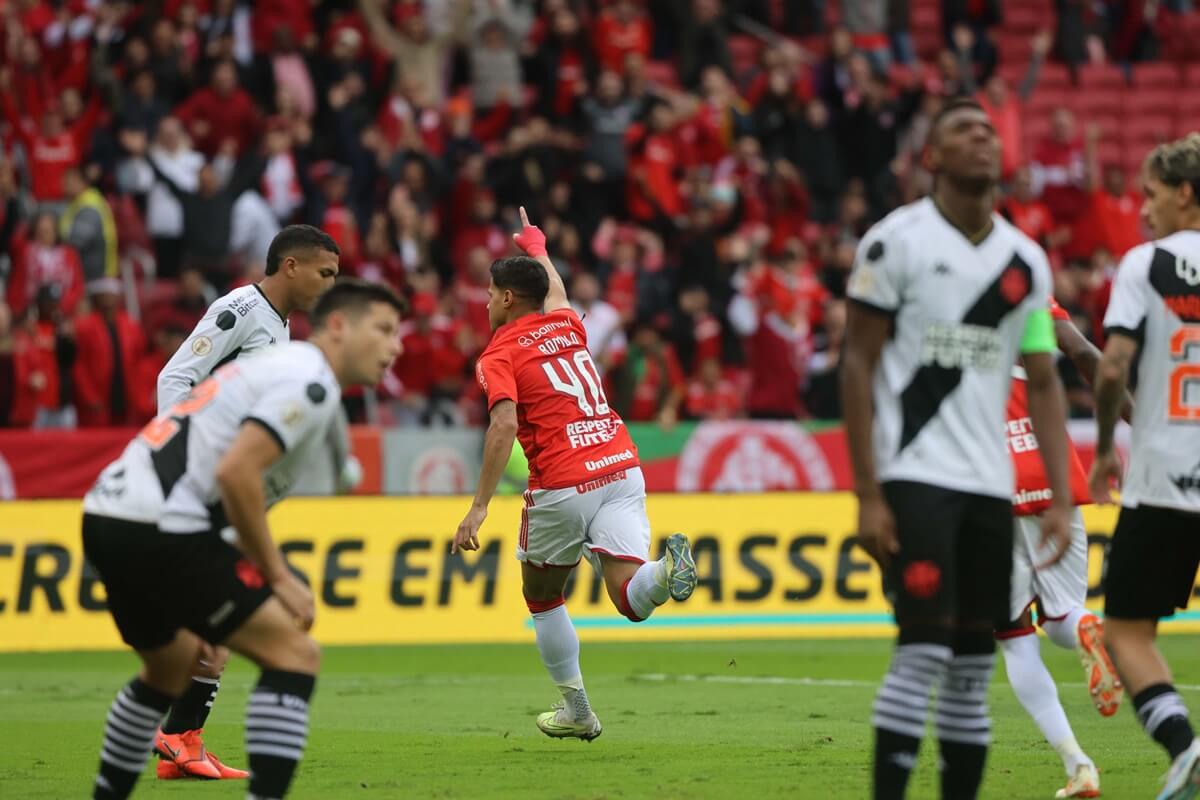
(319, 341)
(515, 314)
(969, 211)
(276, 294)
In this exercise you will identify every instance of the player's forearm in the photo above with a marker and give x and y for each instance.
(497, 449)
(245, 508)
(1048, 412)
(1110, 397)
(556, 281)
(859, 416)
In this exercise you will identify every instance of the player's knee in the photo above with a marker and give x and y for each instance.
(973, 640)
(212, 666)
(536, 606)
(294, 652)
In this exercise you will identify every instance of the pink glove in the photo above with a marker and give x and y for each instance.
(530, 239)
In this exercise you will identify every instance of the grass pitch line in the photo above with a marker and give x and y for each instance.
(777, 680)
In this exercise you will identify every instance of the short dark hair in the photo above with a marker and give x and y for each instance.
(948, 108)
(353, 296)
(523, 276)
(295, 238)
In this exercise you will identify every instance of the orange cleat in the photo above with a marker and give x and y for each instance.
(228, 773)
(169, 770)
(187, 751)
(1103, 682)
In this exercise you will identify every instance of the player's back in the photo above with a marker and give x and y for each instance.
(567, 429)
(167, 474)
(1156, 300)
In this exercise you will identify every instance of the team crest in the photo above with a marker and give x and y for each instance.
(292, 415)
(1014, 285)
(202, 346)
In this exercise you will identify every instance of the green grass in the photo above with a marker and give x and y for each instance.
(457, 722)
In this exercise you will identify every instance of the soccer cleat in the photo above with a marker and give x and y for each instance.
(1085, 783)
(169, 770)
(187, 751)
(1183, 781)
(561, 724)
(1103, 682)
(228, 773)
(681, 567)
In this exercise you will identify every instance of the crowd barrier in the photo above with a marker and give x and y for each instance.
(777, 565)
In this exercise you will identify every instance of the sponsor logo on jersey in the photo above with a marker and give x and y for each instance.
(1189, 482)
(960, 345)
(1025, 496)
(1020, 438)
(1185, 306)
(590, 432)
(201, 346)
(600, 463)
(244, 306)
(561, 342)
(1187, 271)
(292, 415)
(584, 488)
(531, 338)
(480, 377)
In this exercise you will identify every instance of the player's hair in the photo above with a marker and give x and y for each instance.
(1178, 162)
(353, 296)
(294, 239)
(948, 108)
(523, 276)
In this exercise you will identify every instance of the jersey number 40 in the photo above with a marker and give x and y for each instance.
(581, 381)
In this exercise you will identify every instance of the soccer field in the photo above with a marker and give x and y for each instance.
(681, 720)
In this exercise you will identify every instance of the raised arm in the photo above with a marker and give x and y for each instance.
(381, 31)
(533, 242)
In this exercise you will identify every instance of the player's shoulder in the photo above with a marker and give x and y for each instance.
(233, 306)
(911, 219)
(297, 363)
(1139, 258)
(1022, 244)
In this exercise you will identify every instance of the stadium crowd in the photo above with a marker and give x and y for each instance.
(703, 170)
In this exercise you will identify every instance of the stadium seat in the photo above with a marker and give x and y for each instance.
(1150, 101)
(1013, 47)
(1143, 131)
(1045, 99)
(1022, 18)
(1110, 151)
(1054, 74)
(663, 73)
(1095, 76)
(1155, 76)
(1186, 124)
(926, 18)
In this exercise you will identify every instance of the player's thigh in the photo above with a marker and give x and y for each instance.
(620, 528)
(985, 553)
(923, 575)
(554, 527)
(271, 638)
(130, 559)
(1062, 587)
(1022, 590)
(543, 584)
(1151, 563)
(169, 668)
(219, 588)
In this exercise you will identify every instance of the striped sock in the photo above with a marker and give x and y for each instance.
(899, 714)
(129, 733)
(190, 711)
(276, 729)
(1162, 713)
(964, 727)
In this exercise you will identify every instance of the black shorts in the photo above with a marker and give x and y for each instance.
(160, 582)
(955, 559)
(1151, 563)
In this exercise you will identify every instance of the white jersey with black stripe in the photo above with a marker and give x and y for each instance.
(167, 474)
(959, 313)
(1156, 301)
(236, 324)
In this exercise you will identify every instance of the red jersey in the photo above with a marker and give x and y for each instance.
(1033, 493)
(565, 426)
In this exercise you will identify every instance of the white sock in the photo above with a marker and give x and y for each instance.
(1065, 632)
(559, 647)
(647, 589)
(1035, 689)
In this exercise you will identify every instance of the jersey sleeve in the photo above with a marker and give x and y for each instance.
(1127, 302)
(496, 377)
(216, 338)
(876, 280)
(296, 408)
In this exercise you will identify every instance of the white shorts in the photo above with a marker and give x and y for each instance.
(605, 515)
(1059, 589)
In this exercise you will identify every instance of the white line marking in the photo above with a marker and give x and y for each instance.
(776, 680)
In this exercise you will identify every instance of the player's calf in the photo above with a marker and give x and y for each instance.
(638, 589)
(964, 725)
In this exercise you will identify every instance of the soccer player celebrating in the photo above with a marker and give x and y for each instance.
(946, 294)
(302, 263)
(1060, 590)
(586, 496)
(152, 528)
(1155, 306)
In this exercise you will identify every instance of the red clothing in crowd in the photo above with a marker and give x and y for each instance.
(35, 266)
(652, 177)
(1006, 119)
(706, 331)
(722, 401)
(659, 376)
(613, 39)
(1112, 222)
(487, 235)
(570, 77)
(1033, 218)
(232, 117)
(271, 14)
(145, 386)
(430, 357)
(35, 374)
(1059, 168)
(31, 90)
(773, 353)
(95, 364)
(473, 302)
(51, 156)
(338, 221)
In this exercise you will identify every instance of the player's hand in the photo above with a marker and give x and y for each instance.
(296, 598)
(1056, 533)
(1105, 475)
(467, 535)
(877, 530)
(530, 239)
